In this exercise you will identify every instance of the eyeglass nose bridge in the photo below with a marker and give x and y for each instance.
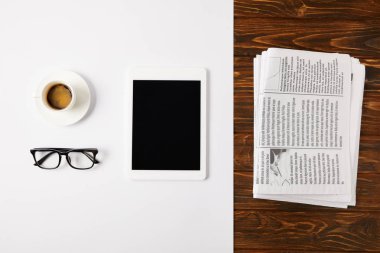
(68, 159)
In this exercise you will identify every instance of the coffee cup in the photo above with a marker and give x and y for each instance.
(58, 96)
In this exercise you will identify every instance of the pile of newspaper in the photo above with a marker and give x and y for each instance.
(307, 126)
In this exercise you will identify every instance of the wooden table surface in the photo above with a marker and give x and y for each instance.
(346, 26)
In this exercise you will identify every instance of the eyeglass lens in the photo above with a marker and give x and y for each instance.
(81, 160)
(47, 159)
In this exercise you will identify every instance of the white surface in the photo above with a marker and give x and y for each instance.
(79, 105)
(101, 210)
(198, 74)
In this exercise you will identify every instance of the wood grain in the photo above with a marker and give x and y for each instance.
(360, 38)
(351, 27)
(296, 230)
(301, 9)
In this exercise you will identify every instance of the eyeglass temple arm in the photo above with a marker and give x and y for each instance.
(43, 159)
(90, 157)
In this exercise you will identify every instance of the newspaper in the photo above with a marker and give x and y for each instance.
(307, 126)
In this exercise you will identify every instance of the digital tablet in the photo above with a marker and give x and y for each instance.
(167, 123)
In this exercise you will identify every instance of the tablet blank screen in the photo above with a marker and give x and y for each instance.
(166, 132)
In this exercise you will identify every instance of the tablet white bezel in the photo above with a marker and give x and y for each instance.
(198, 74)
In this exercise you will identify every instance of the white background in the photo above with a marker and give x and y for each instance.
(101, 210)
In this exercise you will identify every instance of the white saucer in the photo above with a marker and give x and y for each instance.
(81, 106)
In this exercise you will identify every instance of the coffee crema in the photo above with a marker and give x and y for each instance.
(59, 96)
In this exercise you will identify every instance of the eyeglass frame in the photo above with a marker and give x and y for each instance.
(64, 152)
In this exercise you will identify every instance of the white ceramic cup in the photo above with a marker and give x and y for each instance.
(45, 91)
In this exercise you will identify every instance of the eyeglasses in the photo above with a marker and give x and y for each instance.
(50, 158)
